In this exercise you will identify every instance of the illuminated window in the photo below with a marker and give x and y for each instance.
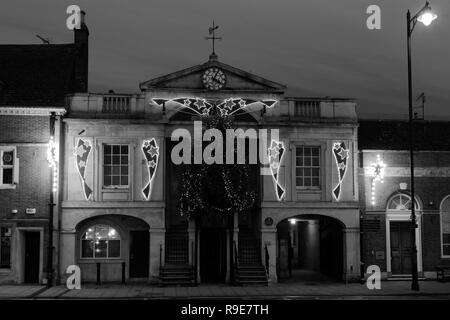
(401, 202)
(307, 167)
(100, 241)
(7, 166)
(115, 165)
(445, 226)
(5, 247)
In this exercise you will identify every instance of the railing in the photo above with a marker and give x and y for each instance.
(99, 272)
(307, 109)
(116, 104)
(177, 248)
(266, 254)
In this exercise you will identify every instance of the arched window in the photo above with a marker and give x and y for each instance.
(100, 241)
(401, 202)
(445, 226)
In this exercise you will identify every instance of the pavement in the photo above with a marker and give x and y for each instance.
(353, 291)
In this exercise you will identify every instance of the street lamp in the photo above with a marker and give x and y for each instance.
(425, 16)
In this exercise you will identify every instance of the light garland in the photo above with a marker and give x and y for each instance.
(377, 173)
(52, 158)
(150, 149)
(275, 154)
(226, 107)
(341, 155)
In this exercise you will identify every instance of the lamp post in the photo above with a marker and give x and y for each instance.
(426, 16)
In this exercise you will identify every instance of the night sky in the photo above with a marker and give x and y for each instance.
(316, 47)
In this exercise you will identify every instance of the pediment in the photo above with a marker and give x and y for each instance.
(192, 79)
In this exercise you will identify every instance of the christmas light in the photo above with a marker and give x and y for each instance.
(377, 173)
(81, 152)
(150, 150)
(52, 158)
(275, 153)
(341, 155)
(226, 107)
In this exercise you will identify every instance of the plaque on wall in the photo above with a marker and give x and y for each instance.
(268, 221)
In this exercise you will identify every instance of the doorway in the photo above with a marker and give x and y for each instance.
(32, 256)
(139, 254)
(401, 247)
(213, 257)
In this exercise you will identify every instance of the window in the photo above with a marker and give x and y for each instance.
(100, 241)
(401, 202)
(307, 167)
(115, 165)
(445, 226)
(5, 247)
(7, 166)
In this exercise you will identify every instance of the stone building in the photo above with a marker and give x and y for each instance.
(34, 82)
(386, 198)
(120, 210)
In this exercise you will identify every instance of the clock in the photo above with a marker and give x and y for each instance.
(214, 79)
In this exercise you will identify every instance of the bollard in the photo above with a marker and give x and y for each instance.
(98, 273)
(123, 273)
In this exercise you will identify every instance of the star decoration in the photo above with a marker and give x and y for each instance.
(82, 164)
(153, 151)
(336, 145)
(152, 164)
(223, 112)
(242, 103)
(205, 112)
(87, 143)
(343, 153)
(187, 103)
(80, 151)
(273, 152)
(146, 144)
(229, 104)
(341, 166)
(200, 103)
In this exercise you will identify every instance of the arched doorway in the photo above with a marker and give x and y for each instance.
(310, 248)
(119, 243)
(399, 238)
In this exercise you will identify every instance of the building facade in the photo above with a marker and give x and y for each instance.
(34, 82)
(384, 176)
(121, 189)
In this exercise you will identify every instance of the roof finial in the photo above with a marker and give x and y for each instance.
(212, 30)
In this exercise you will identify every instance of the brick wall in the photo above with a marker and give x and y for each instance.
(27, 129)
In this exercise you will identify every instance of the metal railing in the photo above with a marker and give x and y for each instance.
(116, 104)
(266, 255)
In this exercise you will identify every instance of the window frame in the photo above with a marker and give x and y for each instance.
(402, 194)
(320, 166)
(14, 167)
(115, 187)
(446, 198)
(107, 249)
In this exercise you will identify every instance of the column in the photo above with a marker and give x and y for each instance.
(351, 254)
(67, 253)
(157, 242)
(269, 239)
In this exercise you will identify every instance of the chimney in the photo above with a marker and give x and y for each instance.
(81, 41)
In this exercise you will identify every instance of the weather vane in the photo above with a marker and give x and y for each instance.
(213, 38)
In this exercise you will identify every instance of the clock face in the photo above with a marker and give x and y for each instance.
(214, 79)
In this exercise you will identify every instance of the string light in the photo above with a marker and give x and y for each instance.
(377, 173)
(52, 159)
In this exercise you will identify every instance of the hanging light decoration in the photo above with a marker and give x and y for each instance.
(52, 158)
(377, 173)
